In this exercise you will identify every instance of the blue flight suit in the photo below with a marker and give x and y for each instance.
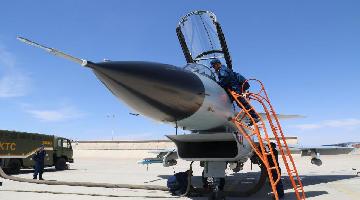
(228, 79)
(39, 159)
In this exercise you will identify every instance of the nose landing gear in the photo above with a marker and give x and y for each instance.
(216, 185)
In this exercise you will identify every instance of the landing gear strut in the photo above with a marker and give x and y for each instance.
(216, 186)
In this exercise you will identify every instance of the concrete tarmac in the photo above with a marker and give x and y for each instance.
(336, 179)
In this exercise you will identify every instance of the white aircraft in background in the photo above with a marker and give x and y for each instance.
(168, 157)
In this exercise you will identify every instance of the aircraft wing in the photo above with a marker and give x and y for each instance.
(323, 150)
(167, 157)
(316, 151)
(279, 116)
(282, 116)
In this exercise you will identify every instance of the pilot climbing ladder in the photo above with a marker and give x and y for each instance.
(263, 149)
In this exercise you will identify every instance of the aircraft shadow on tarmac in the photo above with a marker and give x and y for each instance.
(309, 180)
(243, 181)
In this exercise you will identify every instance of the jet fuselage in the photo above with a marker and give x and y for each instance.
(168, 94)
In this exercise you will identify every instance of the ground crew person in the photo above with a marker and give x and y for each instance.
(279, 186)
(228, 79)
(39, 158)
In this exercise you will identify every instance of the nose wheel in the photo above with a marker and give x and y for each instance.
(216, 186)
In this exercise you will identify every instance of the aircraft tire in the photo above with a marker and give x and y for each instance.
(246, 193)
(216, 196)
(14, 166)
(260, 183)
(60, 164)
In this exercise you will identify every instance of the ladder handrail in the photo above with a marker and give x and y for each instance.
(272, 110)
(280, 145)
(263, 98)
(263, 158)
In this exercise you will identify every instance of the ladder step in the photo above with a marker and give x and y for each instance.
(272, 167)
(252, 134)
(298, 186)
(249, 109)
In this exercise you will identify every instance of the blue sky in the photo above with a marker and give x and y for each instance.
(306, 52)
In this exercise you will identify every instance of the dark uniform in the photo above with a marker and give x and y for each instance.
(279, 186)
(228, 79)
(39, 158)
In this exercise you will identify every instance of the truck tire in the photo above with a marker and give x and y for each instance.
(60, 164)
(14, 166)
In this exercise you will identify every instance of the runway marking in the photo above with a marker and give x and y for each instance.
(85, 194)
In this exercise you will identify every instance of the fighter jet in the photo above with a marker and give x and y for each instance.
(187, 97)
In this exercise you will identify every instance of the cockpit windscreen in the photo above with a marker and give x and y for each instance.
(200, 35)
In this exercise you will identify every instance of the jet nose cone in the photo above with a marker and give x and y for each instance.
(159, 91)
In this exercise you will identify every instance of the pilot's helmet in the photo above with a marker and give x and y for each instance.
(214, 61)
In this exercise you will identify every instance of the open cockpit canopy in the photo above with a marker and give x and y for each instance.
(201, 38)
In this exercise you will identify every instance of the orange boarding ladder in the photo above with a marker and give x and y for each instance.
(263, 150)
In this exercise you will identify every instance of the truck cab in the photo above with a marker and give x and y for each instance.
(63, 152)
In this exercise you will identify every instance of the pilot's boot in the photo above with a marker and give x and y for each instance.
(40, 176)
(254, 116)
(35, 175)
(252, 112)
(280, 189)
